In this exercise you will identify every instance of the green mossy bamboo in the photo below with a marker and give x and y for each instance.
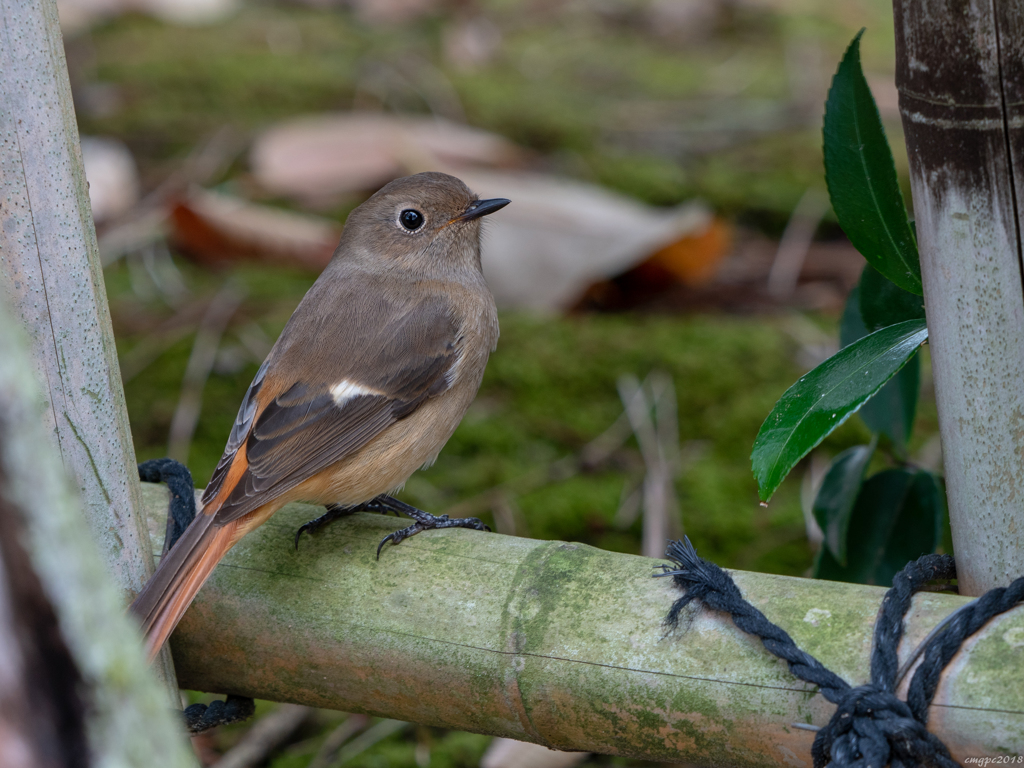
(553, 642)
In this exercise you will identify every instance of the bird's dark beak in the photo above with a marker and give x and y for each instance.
(480, 208)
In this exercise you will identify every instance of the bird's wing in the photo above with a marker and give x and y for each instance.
(321, 398)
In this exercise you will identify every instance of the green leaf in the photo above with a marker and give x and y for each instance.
(852, 327)
(861, 177)
(891, 412)
(897, 518)
(838, 494)
(883, 303)
(824, 398)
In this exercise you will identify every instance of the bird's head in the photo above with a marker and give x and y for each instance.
(428, 223)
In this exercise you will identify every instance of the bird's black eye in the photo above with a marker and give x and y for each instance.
(411, 219)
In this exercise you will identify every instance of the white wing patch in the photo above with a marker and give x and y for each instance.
(345, 390)
(452, 374)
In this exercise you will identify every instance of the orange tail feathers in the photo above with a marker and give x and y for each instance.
(181, 573)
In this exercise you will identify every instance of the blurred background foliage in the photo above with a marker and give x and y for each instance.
(664, 101)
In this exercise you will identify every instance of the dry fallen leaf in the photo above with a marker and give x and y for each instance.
(319, 159)
(694, 258)
(214, 228)
(112, 175)
(78, 15)
(558, 237)
(509, 753)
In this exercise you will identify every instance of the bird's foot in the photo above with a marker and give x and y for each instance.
(386, 505)
(334, 511)
(424, 522)
(382, 505)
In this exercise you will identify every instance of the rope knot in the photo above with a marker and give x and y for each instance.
(871, 728)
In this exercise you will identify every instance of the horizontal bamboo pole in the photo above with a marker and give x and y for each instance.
(555, 643)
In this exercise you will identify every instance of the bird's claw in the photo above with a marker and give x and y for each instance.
(334, 511)
(384, 541)
(396, 537)
(379, 505)
(385, 504)
(426, 522)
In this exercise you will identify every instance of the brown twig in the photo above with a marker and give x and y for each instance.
(651, 410)
(145, 223)
(352, 725)
(156, 341)
(368, 738)
(200, 363)
(266, 734)
(594, 453)
(795, 242)
(508, 519)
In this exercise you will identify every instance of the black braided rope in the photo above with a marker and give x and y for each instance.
(180, 512)
(870, 727)
(182, 508)
(203, 717)
(938, 654)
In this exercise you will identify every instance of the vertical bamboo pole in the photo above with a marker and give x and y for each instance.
(72, 669)
(53, 284)
(960, 75)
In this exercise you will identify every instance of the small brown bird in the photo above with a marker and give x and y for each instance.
(368, 380)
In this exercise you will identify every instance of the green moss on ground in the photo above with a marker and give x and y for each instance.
(729, 116)
(603, 99)
(550, 388)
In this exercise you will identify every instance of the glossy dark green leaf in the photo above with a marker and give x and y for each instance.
(851, 327)
(824, 398)
(837, 495)
(897, 518)
(861, 177)
(891, 412)
(883, 303)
